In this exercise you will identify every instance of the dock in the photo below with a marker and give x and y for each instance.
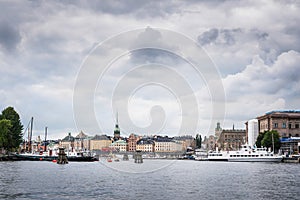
(292, 159)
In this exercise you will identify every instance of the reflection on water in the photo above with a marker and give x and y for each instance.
(154, 179)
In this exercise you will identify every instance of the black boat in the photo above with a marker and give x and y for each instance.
(43, 157)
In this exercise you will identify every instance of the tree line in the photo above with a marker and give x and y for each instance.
(10, 130)
(267, 138)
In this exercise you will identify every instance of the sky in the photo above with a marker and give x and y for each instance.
(169, 68)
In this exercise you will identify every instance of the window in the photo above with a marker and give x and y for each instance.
(283, 125)
(275, 125)
(290, 126)
(296, 125)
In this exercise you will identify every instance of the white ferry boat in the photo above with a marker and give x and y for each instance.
(246, 154)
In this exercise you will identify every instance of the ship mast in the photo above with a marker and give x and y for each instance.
(30, 135)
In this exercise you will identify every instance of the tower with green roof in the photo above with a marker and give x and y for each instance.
(117, 130)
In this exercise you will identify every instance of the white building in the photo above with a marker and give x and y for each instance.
(252, 131)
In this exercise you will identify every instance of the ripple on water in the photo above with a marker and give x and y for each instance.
(178, 180)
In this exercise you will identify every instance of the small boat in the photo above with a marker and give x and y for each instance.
(246, 154)
(109, 160)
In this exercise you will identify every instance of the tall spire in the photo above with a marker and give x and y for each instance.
(117, 129)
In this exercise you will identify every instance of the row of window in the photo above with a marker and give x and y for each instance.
(215, 154)
(250, 155)
(233, 140)
(284, 125)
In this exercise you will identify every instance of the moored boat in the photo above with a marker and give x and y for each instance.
(50, 156)
(246, 154)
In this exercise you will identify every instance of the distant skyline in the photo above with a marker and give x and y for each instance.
(254, 45)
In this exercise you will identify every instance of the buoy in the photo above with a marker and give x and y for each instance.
(41, 158)
(54, 161)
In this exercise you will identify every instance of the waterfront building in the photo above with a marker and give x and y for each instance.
(145, 145)
(120, 146)
(79, 141)
(286, 123)
(87, 143)
(67, 142)
(231, 139)
(166, 144)
(210, 143)
(251, 131)
(132, 142)
(100, 142)
(186, 141)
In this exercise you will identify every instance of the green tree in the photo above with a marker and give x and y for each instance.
(260, 137)
(269, 138)
(15, 130)
(5, 138)
(198, 141)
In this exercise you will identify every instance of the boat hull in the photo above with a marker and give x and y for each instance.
(217, 159)
(51, 158)
(258, 159)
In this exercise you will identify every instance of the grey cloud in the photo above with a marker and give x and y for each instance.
(219, 36)
(9, 36)
(131, 7)
(238, 38)
(208, 36)
(52, 30)
(149, 55)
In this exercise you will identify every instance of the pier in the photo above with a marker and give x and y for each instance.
(292, 159)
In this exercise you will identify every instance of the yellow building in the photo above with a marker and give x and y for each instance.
(145, 145)
(119, 145)
(166, 144)
(99, 142)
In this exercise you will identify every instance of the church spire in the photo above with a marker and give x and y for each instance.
(117, 129)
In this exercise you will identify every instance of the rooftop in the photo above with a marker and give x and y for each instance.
(282, 111)
(101, 137)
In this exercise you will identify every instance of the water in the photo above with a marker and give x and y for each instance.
(154, 179)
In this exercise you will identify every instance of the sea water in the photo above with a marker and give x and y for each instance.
(153, 179)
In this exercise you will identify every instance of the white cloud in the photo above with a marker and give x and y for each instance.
(254, 44)
(261, 88)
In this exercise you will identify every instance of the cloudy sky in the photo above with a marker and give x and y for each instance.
(73, 65)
